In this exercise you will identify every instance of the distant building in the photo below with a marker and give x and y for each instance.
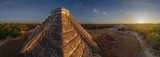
(118, 26)
(60, 10)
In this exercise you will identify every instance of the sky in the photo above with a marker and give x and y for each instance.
(84, 11)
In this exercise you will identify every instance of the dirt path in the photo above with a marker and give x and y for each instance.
(145, 49)
(8, 39)
(3, 41)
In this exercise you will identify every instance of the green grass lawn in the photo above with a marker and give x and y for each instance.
(12, 48)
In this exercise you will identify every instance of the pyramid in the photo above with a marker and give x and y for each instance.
(60, 35)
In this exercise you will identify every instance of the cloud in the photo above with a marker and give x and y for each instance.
(99, 12)
(104, 13)
(96, 11)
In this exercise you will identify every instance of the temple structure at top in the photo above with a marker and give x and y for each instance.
(60, 10)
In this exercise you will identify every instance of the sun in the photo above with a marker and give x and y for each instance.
(141, 21)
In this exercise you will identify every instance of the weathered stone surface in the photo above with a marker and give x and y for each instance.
(60, 35)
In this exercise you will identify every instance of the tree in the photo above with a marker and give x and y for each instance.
(152, 40)
(122, 29)
(23, 27)
(157, 46)
(8, 28)
(3, 33)
(14, 33)
(152, 36)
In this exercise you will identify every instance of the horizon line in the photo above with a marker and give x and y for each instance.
(80, 23)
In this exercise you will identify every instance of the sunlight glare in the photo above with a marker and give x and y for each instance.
(141, 21)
